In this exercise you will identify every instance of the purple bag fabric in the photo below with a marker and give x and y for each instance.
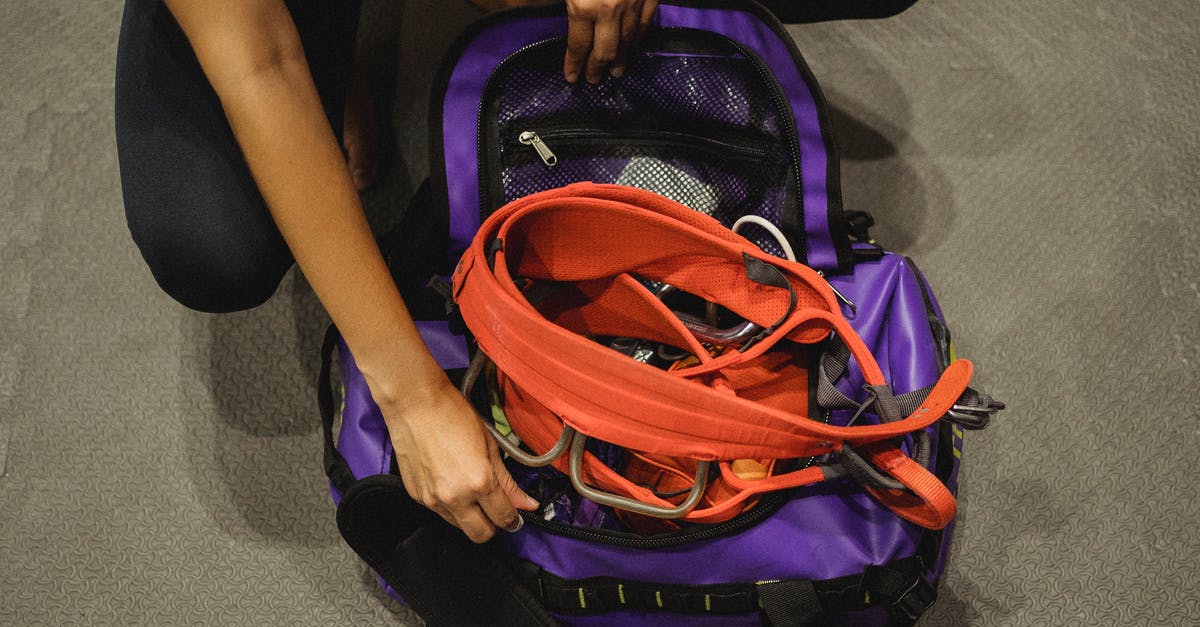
(763, 148)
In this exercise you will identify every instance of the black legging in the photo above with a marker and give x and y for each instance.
(193, 209)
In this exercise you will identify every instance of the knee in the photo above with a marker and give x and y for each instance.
(212, 276)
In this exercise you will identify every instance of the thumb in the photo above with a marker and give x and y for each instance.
(516, 496)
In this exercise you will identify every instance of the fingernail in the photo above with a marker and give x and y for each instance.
(517, 527)
(572, 77)
(617, 72)
(531, 502)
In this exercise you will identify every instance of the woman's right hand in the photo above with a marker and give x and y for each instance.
(450, 463)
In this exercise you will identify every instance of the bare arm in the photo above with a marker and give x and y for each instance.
(251, 54)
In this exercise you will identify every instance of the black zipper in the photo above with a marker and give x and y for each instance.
(484, 184)
(766, 506)
(747, 149)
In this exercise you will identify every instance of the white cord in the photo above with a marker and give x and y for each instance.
(771, 228)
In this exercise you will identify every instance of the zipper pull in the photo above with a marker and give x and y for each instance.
(836, 292)
(530, 138)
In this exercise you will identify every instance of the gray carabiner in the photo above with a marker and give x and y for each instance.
(575, 468)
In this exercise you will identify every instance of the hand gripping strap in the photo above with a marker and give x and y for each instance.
(589, 233)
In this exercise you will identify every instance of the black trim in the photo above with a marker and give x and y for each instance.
(900, 586)
(833, 178)
(336, 467)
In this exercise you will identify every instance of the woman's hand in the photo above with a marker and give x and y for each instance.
(451, 464)
(600, 33)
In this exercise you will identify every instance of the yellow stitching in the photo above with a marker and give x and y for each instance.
(957, 453)
(707, 603)
(621, 592)
(658, 597)
(582, 602)
(867, 597)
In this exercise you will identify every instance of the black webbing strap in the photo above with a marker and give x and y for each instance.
(902, 587)
(443, 576)
(899, 585)
(336, 467)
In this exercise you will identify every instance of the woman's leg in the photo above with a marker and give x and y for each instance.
(191, 204)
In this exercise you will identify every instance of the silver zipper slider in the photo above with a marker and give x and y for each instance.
(530, 138)
(841, 296)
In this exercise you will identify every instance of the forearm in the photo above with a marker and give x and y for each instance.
(295, 160)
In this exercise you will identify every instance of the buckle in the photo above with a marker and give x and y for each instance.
(915, 601)
(974, 416)
(901, 587)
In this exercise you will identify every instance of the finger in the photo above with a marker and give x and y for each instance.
(605, 42)
(647, 17)
(513, 492)
(499, 510)
(629, 27)
(475, 524)
(579, 44)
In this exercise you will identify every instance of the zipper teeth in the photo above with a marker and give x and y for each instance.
(766, 506)
(711, 143)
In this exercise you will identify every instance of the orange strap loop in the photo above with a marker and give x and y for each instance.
(595, 242)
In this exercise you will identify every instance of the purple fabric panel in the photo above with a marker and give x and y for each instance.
(894, 325)
(460, 115)
(891, 320)
(818, 536)
(449, 349)
(749, 31)
(363, 438)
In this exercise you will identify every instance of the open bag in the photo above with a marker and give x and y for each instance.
(722, 428)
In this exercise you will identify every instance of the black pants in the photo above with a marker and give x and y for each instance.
(192, 207)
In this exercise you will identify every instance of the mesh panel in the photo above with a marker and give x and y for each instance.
(718, 89)
(689, 94)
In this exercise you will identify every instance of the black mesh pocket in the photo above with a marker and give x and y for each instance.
(693, 119)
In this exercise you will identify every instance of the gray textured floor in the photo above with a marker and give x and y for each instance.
(1039, 160)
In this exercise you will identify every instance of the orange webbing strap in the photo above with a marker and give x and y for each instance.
(599, 238)
(927, 502)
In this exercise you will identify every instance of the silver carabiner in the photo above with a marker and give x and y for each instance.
(575, 468)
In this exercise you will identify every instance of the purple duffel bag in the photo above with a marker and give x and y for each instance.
(719, 112)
